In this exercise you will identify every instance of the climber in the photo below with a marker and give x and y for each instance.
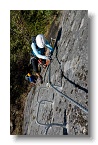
(39, 45)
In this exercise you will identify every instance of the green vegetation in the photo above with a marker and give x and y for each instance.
(23, 25)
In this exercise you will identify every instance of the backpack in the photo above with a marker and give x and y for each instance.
(34, 39)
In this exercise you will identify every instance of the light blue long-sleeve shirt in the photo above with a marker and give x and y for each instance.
(33, 46)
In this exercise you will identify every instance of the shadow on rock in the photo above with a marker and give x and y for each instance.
(57, 39)
(56, 47)
(76, 85)
(65, 120)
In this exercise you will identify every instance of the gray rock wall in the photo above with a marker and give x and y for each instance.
(47, 111)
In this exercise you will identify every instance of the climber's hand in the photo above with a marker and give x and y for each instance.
(47, 62)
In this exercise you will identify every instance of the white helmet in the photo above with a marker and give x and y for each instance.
(40, 40)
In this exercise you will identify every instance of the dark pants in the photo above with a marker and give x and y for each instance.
(34, 63)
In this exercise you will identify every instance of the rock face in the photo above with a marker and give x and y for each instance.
(48, 112)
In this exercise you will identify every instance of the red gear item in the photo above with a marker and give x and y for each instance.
(40, 61)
